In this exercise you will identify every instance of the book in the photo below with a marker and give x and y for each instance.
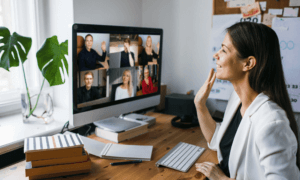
(52, 147)
(59, 174)
(127, 152)
(46, 170)
(116, 151)
(68, 160)
(122, 136)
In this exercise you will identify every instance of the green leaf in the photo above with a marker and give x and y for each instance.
(51, 57)
(15, 46)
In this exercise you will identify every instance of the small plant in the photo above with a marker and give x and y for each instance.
(50, 58)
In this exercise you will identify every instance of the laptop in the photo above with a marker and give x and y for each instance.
(115, 60)
(115, 124)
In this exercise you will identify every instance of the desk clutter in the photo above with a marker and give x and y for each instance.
(53, 156)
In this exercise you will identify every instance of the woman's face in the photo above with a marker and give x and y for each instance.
(126, 77)
(126, 45)
(148, 42)
(88, 42)
(229, 66)
(146, 73)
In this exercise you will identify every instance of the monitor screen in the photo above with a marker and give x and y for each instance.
(114, 65)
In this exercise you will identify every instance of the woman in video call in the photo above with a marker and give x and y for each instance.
(88, 58)
(126, 89)
(127, 57)
(147, 85)
(258, 136)
(148, 53)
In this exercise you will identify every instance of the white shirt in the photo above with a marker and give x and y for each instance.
(264, 146)
(122, 93)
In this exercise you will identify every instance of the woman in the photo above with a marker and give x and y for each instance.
(258, 136)
(148, 53)
(127, 57)
(147, 85)
(126, 89)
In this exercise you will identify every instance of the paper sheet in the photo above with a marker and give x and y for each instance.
(239, 3)
(287, 30)
(267, 19)
(263, 5)
(290, 12)
(275, 11)
(294, 3)
(223, 89)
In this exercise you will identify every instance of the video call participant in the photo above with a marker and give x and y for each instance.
(88, 58)
(258, 136)
(147, 85)
(127, 57)
(126, 89)
(88, 92)
(148, 53)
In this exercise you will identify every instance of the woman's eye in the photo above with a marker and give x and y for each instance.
(223, 50)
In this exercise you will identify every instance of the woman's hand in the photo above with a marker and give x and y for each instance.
(157, 46)
(103, 46)
(204, 91)
(211, 170)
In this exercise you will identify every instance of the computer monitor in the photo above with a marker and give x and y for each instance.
(99, 91)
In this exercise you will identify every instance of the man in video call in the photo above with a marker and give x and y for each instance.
(88, 58)
(88, 92)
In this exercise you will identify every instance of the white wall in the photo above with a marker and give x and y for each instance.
(187, 30)
(186, 26)
(56, 18)
(108, 12)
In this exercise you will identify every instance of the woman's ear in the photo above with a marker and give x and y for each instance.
(250, 63)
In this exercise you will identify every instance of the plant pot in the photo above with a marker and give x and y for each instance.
(43, 108)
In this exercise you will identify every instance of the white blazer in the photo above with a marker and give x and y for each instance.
(264, 146)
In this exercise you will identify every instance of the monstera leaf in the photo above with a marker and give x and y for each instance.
(51, 57)
(15, 48)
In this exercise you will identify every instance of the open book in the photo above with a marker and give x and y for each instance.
(116, 151)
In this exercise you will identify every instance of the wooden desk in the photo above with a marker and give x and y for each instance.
(162, 136)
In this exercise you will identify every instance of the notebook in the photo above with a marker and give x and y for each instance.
(116, 151)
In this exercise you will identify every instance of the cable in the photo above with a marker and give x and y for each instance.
(65, 126)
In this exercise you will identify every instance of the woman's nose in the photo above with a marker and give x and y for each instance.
(216, 56)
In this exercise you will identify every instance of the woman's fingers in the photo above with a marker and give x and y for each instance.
(213, 80)
(210, 75)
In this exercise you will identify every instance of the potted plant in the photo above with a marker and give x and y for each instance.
(50, 57)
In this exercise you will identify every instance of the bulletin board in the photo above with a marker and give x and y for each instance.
(220, 7)
(287, 31)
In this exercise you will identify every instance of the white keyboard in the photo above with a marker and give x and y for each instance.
(181, 157)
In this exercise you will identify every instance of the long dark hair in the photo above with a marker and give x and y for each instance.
(260, 41)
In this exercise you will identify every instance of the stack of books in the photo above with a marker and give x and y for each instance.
(53, 156)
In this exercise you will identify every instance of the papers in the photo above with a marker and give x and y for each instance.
(294, 3)
(290, 12)
(239, 3)
(267, 19)
(263, 5)
(275, 11)
(250, 10)
(223, 89)
(287, 30)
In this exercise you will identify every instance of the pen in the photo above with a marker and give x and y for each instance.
(126, 162)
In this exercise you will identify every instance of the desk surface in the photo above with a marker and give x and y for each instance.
(162, 136)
